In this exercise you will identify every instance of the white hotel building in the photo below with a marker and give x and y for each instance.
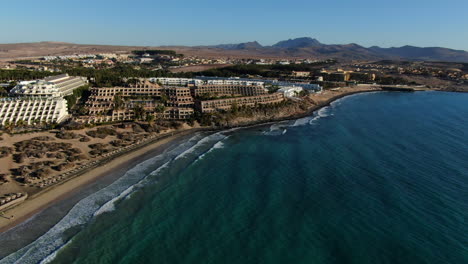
(40, 100)
(60, 85)
(31, 110)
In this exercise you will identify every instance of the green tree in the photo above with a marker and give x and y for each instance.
(139, 112)
(150, 119)
(119, 102)
(160, 108)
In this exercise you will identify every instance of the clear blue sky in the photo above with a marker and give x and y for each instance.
(205, 22)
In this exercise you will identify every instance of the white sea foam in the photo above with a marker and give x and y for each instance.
(46, 247)
(277, 129)
(280, 128)
(218, 145)
(52, 256)
(214, 137)
(110, 205)
(302, 121)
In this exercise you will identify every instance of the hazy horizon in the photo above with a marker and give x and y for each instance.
(207, 22)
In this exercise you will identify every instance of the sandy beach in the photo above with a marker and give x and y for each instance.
(46, 197)
(116, 167)
(61, 191)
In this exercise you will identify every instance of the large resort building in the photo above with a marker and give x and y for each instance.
(39, 101)
(228, 90)
(178, 96)
(33, 110)
(177, 101)
(210, 106)
(54, 86)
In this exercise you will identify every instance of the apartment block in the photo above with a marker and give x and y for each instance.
(55, 86)
(228, 90)
(32, 110)
(210, 106)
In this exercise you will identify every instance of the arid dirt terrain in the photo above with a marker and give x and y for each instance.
(39, 49)
(198, 68)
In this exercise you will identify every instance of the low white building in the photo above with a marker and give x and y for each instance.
(31, 110)
(290, 91)
(175, 81)
(234, 82)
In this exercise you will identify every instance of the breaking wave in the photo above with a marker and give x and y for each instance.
(45, 248)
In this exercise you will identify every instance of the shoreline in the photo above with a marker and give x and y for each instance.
(112, 162)
(118, 165)
(62, 190)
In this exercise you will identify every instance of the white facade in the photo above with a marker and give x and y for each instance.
(234, 82)
(30, 110)
(55, 86)
(175, 81)
(66, 84)
(186, 81)
(37, 88)
(290, 91)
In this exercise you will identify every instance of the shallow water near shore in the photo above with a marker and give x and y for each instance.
(373, 178)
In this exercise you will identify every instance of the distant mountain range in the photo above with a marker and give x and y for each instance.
(291, 48)
(302, 47)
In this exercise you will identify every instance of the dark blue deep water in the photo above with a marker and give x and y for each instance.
(374, 178)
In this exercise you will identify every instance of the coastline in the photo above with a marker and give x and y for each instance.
(118, 165)
(46, 197)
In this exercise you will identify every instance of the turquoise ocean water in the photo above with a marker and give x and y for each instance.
(373, 178)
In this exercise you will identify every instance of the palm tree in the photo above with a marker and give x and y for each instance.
(150, 119)
(139, 112)
(119, 102)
